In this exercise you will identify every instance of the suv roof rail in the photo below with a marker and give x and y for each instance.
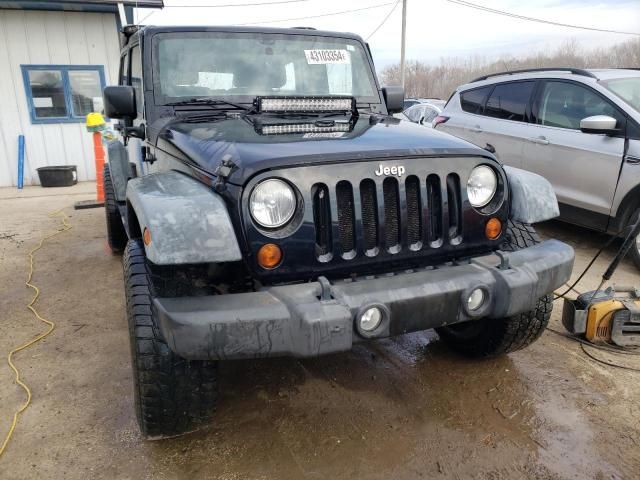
(304, 28)
(575, 71)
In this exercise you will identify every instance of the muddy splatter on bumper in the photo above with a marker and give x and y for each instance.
(317, 318)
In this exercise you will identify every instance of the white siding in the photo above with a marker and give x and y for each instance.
(36, 37)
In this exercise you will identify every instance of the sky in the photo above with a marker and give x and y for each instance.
(436, 29)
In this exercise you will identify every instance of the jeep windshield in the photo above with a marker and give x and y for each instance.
(239, 66)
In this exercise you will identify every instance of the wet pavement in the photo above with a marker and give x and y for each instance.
(400, 408)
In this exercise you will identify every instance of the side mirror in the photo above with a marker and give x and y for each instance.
(394, 98)
(120, 102)
(599, 124)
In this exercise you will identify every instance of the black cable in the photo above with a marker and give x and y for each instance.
(383, 21)
(320, 15)
(588, 267)
(604, 362)
(604, 348)
(537, 20)
(248, 4)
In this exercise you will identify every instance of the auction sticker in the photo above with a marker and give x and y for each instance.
(326, 57)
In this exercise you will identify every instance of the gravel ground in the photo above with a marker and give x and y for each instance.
(399, 408)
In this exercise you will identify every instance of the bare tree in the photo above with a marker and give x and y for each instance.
(424, 80)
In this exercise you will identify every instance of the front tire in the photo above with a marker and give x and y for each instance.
(116, 234)
(172, 395)
(491, 337)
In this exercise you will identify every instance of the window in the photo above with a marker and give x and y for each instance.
(63, 93)
(246, 64)
(414, 113)
(429, 114)
(564, 104)
(472, 101)
(136, 76)
(509, 101)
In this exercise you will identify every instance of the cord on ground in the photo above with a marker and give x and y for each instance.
(63, 227)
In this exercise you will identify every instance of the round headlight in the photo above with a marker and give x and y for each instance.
(481, 186)
(272, 203)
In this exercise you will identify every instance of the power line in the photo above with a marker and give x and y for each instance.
(532, 19)
(253, 4)
(384, 20)
(321, 15)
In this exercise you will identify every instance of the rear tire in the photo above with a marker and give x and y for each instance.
(116, 234)
(172, 395)
(491, 337)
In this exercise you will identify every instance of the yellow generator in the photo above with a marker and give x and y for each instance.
(610, 316)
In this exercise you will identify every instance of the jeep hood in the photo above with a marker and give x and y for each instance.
(253, 148)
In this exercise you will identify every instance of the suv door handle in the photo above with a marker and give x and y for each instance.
(476, 129)
(539, 140)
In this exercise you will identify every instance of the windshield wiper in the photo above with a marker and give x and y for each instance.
(207, 101)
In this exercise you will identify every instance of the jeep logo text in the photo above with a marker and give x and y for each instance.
(395, 170)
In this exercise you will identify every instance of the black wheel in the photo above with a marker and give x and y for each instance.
(493, 337)
(634, 253)
(172, 395)
(116, 234)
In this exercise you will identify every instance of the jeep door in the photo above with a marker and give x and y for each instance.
(582, 167)
(503, 124)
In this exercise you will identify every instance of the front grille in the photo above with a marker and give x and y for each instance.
(390, 215)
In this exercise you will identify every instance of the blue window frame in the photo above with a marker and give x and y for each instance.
(63, 93)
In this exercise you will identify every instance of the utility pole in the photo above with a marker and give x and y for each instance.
(404, 36)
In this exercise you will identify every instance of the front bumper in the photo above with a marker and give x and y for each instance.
(317, 318)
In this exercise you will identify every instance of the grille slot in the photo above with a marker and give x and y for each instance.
(346, 220)
(373, 215)
(391, 213)
(322, 219)
(454, 203)
(414, 211)
(434, 208)
(369, 202)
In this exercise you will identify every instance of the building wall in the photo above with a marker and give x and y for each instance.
(40, 37)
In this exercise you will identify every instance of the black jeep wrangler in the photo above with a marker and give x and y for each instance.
(268, 205)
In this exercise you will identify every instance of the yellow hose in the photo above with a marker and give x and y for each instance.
(63, 227)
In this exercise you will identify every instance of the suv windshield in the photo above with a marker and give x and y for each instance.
(222, 64)
(628, 89)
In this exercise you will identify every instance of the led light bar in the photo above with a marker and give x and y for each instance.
(305, 104)
(285, 129)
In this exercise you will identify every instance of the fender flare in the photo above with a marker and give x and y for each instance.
(119, 168)
(187, 221)
(533, 199)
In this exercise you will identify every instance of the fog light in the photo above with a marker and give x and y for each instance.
(370, 319)
(475, 300)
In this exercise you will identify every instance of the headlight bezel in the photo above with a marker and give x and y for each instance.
(282, 224)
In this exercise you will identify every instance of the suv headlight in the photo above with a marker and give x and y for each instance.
(272, 203)
(481, 186)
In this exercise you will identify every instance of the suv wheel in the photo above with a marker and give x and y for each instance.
(116, 234)
(634, 253)
(492, 337)
(172, 395)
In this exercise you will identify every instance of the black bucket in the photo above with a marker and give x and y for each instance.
(58, 176)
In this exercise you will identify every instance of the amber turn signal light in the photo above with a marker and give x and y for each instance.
(146, 237)
(493, 228)
(269, 256)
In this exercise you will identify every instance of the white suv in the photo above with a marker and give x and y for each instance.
(578, 128)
